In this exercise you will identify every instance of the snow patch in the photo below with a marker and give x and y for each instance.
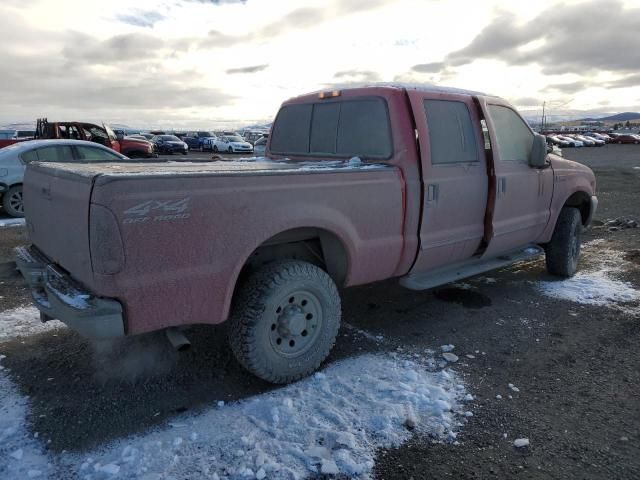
(330, 423)
(596, 284)
(24, 321)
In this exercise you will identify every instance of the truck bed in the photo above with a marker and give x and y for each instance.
(169, 240)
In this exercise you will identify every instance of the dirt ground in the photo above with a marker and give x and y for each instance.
(576, 366)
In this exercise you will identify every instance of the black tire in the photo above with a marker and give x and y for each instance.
(283, 303)
(230, 149)
(563, 251)
(215, 149)
(12, 202)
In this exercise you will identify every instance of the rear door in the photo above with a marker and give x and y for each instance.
(523, 193)
(455, 177)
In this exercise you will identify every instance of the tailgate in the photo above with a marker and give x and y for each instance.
(56, 204)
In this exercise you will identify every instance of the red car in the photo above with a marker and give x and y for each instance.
(626, 138)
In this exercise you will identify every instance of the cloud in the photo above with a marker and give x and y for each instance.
(83, 48)
(569, 88)
(593, 36)
(433, 67)
(250, 69)
(526, 102)
(141, 18)
(366, 76)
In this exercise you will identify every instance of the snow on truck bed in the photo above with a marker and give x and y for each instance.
(253, 165)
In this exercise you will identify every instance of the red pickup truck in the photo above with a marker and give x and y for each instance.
(131, 147)
(424, 184)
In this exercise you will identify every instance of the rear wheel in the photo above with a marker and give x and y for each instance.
(12, 201)
(285, 321)
(563, 251)
(215, 149)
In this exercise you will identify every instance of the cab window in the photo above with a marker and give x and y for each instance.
(513, 136)
(451, 135)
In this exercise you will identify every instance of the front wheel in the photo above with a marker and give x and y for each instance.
(285, 320)
(12, 201)
(563, 251)
(230, 150)
(215, 149)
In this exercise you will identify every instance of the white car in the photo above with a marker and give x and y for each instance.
(573, 142)
(232, 144)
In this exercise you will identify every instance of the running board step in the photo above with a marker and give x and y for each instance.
(467, 268)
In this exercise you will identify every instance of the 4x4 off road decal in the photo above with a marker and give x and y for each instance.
(158, 211)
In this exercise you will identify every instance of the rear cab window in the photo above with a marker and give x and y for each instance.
(334, 128)
(451, 135)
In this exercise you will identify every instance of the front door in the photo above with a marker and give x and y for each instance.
(454, 175)
(523, 193)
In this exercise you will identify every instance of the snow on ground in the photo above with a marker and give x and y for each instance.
(11, 222)
(24, 321)
(596, 282)
(332, 422)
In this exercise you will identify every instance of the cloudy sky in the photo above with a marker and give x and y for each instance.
(210, 63)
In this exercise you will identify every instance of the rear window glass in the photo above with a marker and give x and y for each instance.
(450, 132)
(338, 128)
(90, 153)
(55, 154)
(291, 130)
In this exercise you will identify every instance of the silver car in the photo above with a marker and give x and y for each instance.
(14, 158)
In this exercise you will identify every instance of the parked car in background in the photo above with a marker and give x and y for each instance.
(589, 141)
(102, 134)
(573, 142)
(555, 140)
(252, 136)
(14, 158)
(170, 144)
(600, 136)
(260, 147)
(199, 140)
(232, 144)
(626, 138)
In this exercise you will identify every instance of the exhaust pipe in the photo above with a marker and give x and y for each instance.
(177, 339)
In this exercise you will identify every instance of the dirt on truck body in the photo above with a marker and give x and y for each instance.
(424, 184)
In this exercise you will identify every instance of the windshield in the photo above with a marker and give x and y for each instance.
(235, 138)
(170, 138)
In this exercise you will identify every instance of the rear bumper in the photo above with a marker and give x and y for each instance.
(592, 211)
(58, 296)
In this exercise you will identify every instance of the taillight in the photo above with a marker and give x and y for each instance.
(105, 242)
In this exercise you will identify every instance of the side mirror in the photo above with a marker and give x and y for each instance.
(538, 157)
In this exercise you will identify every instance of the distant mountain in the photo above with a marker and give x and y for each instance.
(618, 117)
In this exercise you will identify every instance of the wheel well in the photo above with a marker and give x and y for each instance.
(313, 245)
(582, 202)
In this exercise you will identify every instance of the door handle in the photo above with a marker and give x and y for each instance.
(432, 193)
(502, 186)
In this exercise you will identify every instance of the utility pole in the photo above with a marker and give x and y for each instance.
(542, 120)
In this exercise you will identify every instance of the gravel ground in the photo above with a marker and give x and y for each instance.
(576, 366)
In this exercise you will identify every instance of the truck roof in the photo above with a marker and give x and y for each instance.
(372, 88)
